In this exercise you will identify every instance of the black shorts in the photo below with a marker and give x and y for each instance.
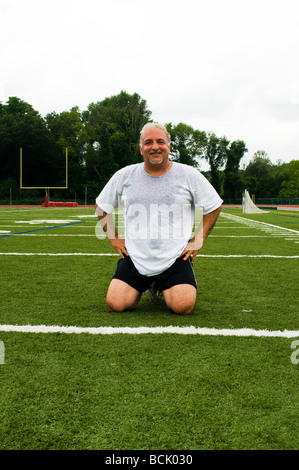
(181, 272)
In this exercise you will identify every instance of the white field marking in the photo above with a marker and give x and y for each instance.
(5, 231)
(252, 222)
(240, 236)
(247, 256)
(59, 254)
(179, 330)
(12, 211)
(116, 254)
(26, 226)
(54, 235)
(38, 222)
(231, 226)
(92, 235)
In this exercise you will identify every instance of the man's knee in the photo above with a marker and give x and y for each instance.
(183, 308)
(121, 297)
(119, 304)
(181, 299)
(114, 305)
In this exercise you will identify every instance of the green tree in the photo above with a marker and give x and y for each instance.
(8, 187)
(113, 126)
(290, 185)
(216, 154)
(232, 177)
(277, 178)
(23, 127)
(258, 175)
(187, 144)
(17, 107)
(68, 132)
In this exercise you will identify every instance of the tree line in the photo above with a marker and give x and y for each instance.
(105, 137)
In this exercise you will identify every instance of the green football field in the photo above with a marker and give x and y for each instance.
(76, 377)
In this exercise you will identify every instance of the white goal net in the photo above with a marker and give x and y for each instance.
(248, 206)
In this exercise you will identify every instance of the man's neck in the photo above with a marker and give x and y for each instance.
(157, 170)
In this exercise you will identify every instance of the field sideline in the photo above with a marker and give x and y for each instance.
(74, 376)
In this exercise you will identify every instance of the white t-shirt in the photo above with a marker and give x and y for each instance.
(158, 211)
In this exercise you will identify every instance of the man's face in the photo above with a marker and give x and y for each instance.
(155, 148)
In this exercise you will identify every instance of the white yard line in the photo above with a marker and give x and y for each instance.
(56, 235)
(252, 223)
(178, 330)
(93, 235)
(116, 254)
(59, 254)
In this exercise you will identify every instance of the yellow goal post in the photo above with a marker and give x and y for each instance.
(44, 187)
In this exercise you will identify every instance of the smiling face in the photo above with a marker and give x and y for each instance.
(155, 149)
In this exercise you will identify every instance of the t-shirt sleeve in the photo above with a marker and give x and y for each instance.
(204, 194)
(108, 197)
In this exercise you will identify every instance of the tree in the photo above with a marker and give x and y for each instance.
(187, 144)
(216, 153)
(232, 177)
(17, 107)
(290, 185)
(258, 175)
(105, 137)
(23, 127)
(277, 177)
(68, 132)
(113, 126)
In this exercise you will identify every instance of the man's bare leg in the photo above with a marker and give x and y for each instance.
(121, 296)
(181, 299)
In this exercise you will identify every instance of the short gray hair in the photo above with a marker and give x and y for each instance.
(151, 125)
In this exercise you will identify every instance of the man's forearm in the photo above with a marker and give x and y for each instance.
(208, 222)
(204, 229)
(107, 223)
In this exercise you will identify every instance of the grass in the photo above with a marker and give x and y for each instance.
(134, 392)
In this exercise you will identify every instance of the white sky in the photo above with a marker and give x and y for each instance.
(226, 66)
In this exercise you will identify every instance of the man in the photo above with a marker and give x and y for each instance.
(159, 198)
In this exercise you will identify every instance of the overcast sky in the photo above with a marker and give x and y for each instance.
(226, 66)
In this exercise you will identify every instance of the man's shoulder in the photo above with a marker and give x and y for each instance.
(186, 169)
(128, 169)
